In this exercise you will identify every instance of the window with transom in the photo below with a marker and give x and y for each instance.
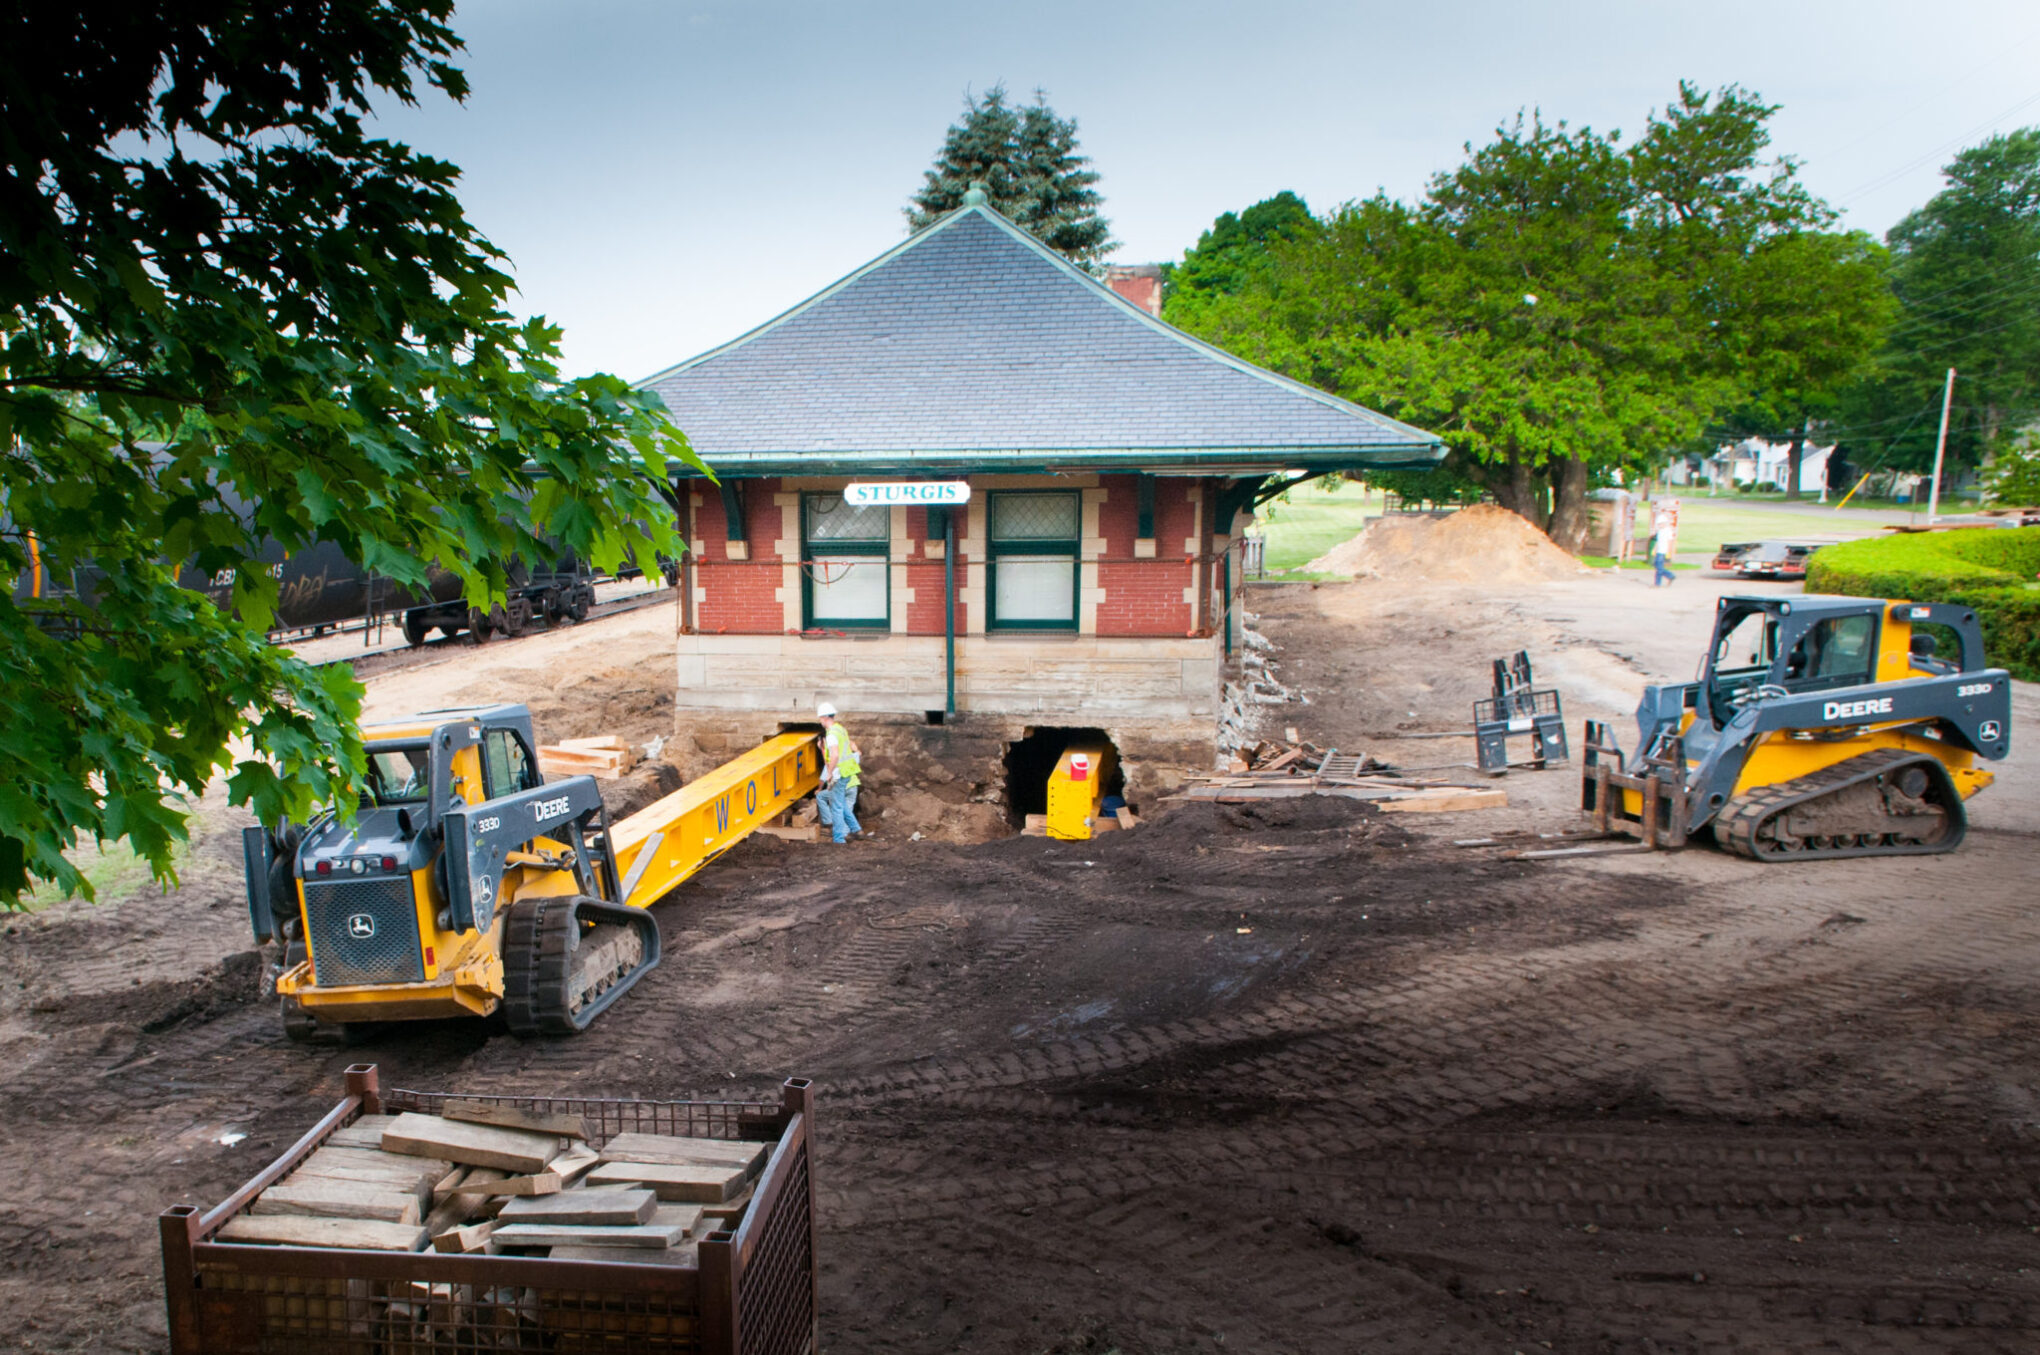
(1034, 538)
(843, 564)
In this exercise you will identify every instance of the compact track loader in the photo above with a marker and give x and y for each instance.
(467, 883)
(1820, 727)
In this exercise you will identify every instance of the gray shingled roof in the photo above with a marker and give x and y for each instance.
(972, 344)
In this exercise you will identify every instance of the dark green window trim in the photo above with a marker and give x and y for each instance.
(1070, 548)
(878, 548)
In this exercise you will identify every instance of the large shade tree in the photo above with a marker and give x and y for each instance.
(1965, 269)
(1027, 159)
(218, 288)
(1563, 303)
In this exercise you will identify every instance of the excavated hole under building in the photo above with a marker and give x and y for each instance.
(1030, 759)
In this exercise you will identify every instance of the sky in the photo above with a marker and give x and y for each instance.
(666, 176)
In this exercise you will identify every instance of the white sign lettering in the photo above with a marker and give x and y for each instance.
(551, 809)
(1975, 689)
(941, 493)
(1855, 710)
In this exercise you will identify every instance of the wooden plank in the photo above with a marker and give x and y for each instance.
(1126, 817)
(472, 1237)
(597, 742)
(328, 1199)
(730, 1210)
(691, 1182)
(365, 1132)
(1443, 802)
(534, 1183)
(1105, 824)
(572, 1164)
(617, 1206)
(678, 1148)
(515, 1117)
(1556, 852)
(681, 1255)
(472, 1182)
(373, 1162)
(648, 1235)
(475, 1145)
(1036, 825)
(290, 1231)
(811, 832)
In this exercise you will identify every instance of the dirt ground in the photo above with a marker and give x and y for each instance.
(1281, 1078)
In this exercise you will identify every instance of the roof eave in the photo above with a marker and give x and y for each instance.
(1042, 460)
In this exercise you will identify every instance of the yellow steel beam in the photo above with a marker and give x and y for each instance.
(697, 823)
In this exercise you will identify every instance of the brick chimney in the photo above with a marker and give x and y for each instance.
(1140, 283)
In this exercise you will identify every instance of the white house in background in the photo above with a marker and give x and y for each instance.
(1754, 462)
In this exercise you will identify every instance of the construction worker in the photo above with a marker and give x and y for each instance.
(836, 801)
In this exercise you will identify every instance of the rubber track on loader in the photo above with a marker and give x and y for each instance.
(541, 942)
(1741, 819)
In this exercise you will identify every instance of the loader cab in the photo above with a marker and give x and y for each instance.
(1787, 644)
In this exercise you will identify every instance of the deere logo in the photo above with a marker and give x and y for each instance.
(361, 926)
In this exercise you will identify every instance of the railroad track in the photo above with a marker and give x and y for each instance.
(400, 655)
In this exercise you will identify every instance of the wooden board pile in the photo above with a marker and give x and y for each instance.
(1270, 771)
(496, 1179)
(605, 756)
(802, 823)
(1119, 820)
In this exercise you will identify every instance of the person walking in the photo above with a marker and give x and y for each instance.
(1661, 551)
(836, 801)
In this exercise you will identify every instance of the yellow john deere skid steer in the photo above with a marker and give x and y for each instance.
(1820, 727)
(467, 883)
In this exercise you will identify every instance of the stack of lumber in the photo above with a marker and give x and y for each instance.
(604, 756)
(1283, 771)
(481, 1177)
(802, 823)
(1119, 820)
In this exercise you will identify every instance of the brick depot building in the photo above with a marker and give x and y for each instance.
(1092, 576)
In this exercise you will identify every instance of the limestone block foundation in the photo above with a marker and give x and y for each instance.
(1156, 699)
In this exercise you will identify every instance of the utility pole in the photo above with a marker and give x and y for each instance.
(1940, 448)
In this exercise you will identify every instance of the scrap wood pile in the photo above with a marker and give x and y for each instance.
(1270, 771)
(605, 756)
(498, 1180)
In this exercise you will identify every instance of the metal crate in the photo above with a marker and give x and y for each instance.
(752, 1291)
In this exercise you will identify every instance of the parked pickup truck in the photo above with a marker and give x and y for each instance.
(1766, 559)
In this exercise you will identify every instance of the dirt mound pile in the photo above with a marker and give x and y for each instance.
(1481, 544)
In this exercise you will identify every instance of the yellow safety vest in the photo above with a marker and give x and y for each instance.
(848, 765)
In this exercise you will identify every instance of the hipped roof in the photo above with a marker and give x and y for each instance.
(973, 347)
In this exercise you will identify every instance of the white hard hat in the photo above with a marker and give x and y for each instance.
(825, 711)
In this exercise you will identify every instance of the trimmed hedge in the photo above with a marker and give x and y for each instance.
(1991, 569)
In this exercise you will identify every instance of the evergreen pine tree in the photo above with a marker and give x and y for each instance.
(1032, 171)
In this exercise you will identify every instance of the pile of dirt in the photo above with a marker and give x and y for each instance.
(1481, 544)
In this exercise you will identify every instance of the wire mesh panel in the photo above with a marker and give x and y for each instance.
(775, 1293)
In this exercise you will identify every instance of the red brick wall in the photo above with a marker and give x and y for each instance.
(924, 576)
(1144, 597)
(740, 595)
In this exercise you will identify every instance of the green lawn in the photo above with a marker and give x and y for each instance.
(1705, 523)
(1314, 521)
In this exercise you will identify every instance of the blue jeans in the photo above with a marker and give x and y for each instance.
(1664, 571)
(836, 806)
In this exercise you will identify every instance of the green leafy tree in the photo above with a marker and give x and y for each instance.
(1226, 256)
(1560, 305)
(1028, 162)
(1965, 269)
(216, 289)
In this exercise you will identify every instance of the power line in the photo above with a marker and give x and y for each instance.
(1891, 176)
